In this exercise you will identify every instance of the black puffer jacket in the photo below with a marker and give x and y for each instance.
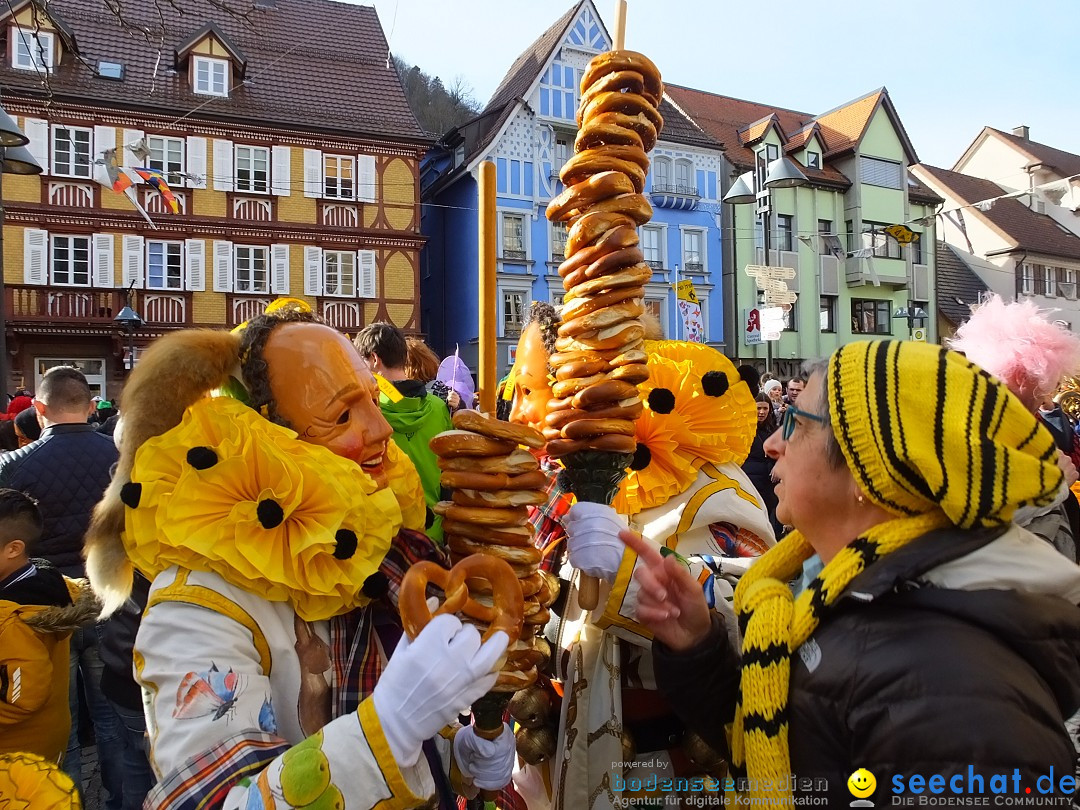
(905, 678)
(67, 471)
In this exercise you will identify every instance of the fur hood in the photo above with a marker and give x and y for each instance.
(176, 371)
(83, 611)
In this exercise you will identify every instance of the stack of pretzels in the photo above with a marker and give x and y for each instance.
(493, 481)
(599, 361)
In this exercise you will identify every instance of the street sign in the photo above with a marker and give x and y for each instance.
(776, 298)
(919, 334)
(772, 322)
(763, 271)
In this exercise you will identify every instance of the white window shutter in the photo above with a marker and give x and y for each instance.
(313, 173)
(128, 159)
(223, 166)
(134, 259)
(196, 162)
(279, 278)
(37, 130)
(103, 261)
(365, 173)
(281, 171)
(104, 139)
(366, 283)
(223, 266)
(195, 252)
(35, 256)
(313, 274)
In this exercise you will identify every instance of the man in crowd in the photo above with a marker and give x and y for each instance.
(794, 388)
(67, 471)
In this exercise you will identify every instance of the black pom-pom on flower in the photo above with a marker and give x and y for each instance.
(661, 400)
(346, 544)
(714, 383)
(131, 494)
(202, 458)
(429, 518)
(376, 586)
(270, 514)
(642, 458)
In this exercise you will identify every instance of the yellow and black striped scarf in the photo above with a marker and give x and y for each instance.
(932, 439)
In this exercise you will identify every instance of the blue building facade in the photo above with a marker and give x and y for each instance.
(527, 130)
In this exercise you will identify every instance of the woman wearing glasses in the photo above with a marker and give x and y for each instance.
(893, 629)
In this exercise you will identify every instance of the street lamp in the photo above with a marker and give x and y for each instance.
(15, 158)
(913, 313)
(780, 173)
(129, 319)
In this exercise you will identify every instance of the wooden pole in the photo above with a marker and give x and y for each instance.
(488, 230)
(620, 25)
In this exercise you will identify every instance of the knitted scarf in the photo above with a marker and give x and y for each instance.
(888, 403)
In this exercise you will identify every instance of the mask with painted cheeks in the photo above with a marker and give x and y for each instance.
(532, 385)
(323, 390)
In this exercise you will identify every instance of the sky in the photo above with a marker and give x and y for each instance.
(951, 66)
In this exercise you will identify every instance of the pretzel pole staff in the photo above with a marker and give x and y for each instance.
(487, 232)
(599, 360)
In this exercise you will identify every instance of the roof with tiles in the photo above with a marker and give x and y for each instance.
(843, 127)
(958, 286)
(295, 77)
(755, 131)
(1018, 225)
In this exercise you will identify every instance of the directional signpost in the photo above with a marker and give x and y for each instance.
(766, 323)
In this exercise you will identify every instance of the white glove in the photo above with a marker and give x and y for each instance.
(489, 764)
(592, 537)
(429, 681)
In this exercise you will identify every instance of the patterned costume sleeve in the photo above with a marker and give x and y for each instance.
(214, 733)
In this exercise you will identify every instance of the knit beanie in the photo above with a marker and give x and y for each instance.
(924, 428)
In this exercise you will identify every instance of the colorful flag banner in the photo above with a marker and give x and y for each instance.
(158, 181)
(831, 244)
(118, 179)
(690, 311)
(902, 234)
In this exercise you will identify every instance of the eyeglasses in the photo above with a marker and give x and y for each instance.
(787, 425)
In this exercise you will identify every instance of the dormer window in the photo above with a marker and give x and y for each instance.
(32, 51)
(211, 76)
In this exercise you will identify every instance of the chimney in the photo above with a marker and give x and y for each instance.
(1022, 132)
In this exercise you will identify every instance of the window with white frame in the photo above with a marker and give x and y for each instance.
(513, 312)
(339, 273)
(1049, 281)
(559, 234)
(557, 297)
(1026, 279)
(693, 250)
(69, 263)
(252, 169)
(167, 157)
(657, 307)
(211, 76)
(652, 245)
(563, 150)
(250, 266)
(32, 51)
(513, 236)
(661, 174)
(339, 177)
(164, 265)
(72, 147)
(684, 177)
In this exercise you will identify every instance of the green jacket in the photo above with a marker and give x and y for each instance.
(416, 420)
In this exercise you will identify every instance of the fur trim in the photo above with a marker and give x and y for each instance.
(83, 611)
(176, 371)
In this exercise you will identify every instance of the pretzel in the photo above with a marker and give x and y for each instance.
(503, 535)
(592, 227)
(452, 443)
(599, 134)
(597, 188)
(558, 420)
(520, 461)
(612, 443)
(518, 555)
(505, 614)
(499, 497)
(610, 238)
(633, 373)
(581, 368)
(638, 123)
(602, 318)
(520, 571)
(497, 429)
(622, 60)
(585, 428)
(628, 81)
(603, 393)
(510, 516)
(572, 174)
(609, 263)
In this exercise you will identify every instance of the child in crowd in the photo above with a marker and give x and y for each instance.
(39, 608)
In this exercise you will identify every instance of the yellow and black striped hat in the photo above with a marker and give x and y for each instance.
(923, 428)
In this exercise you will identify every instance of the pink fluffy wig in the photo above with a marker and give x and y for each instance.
(1020, 346)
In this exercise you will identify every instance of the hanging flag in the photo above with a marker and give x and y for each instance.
(158, 181)
(118, 180)
(690, 310)
(902, 234)
(831, 244)
(140, 150)
(956, 216)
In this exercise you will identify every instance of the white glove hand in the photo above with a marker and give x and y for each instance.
(489, 764)
(429, 681)
(592, 537)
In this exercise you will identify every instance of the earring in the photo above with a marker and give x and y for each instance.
(859, 499)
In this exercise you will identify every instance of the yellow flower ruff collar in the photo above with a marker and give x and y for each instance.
(229, 492)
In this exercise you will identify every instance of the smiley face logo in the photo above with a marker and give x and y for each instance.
(861, 783)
